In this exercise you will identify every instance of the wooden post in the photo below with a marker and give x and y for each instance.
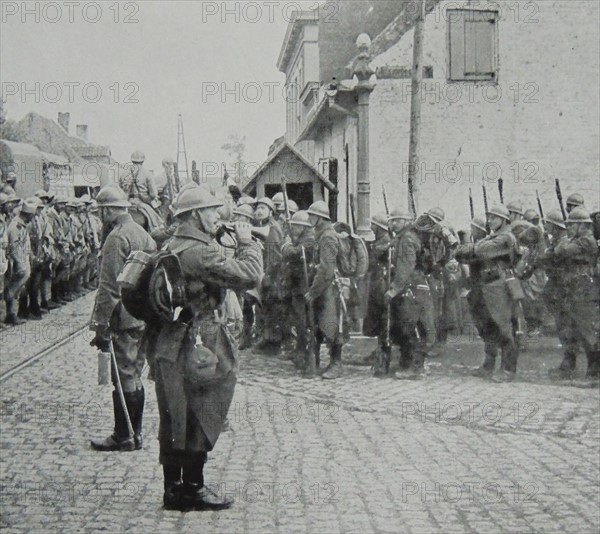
(415, 109)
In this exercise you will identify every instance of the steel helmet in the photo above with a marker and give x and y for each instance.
(479, 224)
(35, 200)
(575, 199)
(111, 196)
(292, 206)
(11, 177)
(530, 215)
(400, 214)
(194, 198)
(500, 211)
(579, 215)
(555, 217)
(61, 200)
(267, 202)
(40, 193)
(87, 199)
(138, 157)
(380, 219)
(300, 218)
(244, 209)
(437, 214)
(320, 209)
(515, 206)
(167, 161)
(278, 199)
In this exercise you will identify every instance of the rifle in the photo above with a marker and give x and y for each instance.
(352, 214)
(560, 198)
(176, 175)
(539, 203)
(387, 210)
(311, 367)
(485, 205)
(501, 189)
(285, 205)
(471, 208)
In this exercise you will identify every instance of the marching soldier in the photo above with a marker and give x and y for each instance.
(324, 294)
(375, 322)
(515, 209)
(268, 317)
(19, 253)
(498, 254)
(112, 323)
(412, 308)
(555, 295)
(297, 248)
(191, 412)
(577, 255)
(532, 216)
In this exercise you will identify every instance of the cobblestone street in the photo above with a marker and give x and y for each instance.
(449, 453)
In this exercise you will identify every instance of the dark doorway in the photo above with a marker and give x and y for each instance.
(301, 194)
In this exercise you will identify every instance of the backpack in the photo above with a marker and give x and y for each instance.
(353, 257)
(153, 286)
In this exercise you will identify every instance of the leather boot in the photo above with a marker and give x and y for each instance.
(334, 369)
(489, 364)
(593, 368)
(566, 368)
(11, 316)
(195, 493)
(173, 496)
(381, 366)
(137, 413)
(119, 440)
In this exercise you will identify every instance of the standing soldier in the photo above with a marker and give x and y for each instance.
(112, 323)
(412, 308)
(555, 295)
(325, 298)
(19, 252)
(3, 254)
(515, 210)
(577, 255)
(375, 323)
(498, 254)
(62, 241)
(268, 317)
(51, 253)
(192, 412)
(95, 236)
(483, 321)
(29, 303)
(297, 248)
(79, 247)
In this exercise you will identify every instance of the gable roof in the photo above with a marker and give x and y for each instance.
(272, 157)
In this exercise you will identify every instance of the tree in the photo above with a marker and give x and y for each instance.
(8, 128)
(235, 147)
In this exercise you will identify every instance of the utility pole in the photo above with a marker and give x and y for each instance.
(415, 109)
(181, 150)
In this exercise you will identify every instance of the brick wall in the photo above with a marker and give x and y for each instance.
(539, 122)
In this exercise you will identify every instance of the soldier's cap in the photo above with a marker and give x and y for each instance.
(244, 209)
(380, 219)
(267, 202)
(400, 214)
(479, 224)
(555, 217)
(530, 214)
(29, 207)
(579, 215)
(300, 218)
(515, 206)
(40, 193)
(11, 198)
(575, 199)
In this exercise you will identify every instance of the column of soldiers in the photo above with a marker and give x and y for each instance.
(49, 253)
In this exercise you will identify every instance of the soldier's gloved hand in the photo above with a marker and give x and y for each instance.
(101, 339)
(243, 231)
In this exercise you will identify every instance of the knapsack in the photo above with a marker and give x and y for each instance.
(353, 257)
(153, 286)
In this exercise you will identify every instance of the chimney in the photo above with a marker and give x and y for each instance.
(82, 131)
(63, 120)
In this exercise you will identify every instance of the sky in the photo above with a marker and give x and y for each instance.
(128, 69)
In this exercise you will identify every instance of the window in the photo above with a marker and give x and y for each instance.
(472, 37)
